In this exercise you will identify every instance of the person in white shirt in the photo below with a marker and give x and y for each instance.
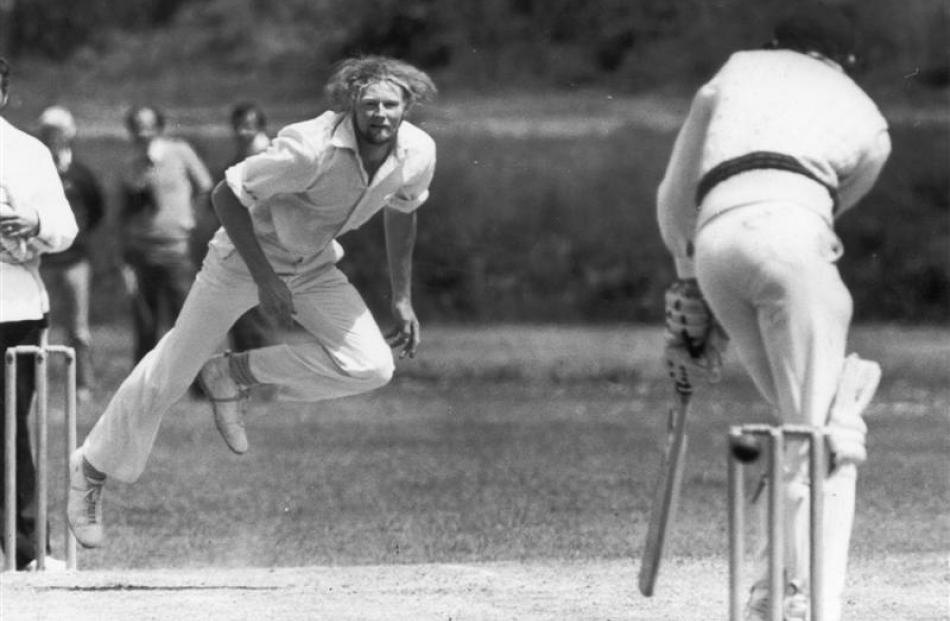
(776, 146)
(281, 212)
(35, 218)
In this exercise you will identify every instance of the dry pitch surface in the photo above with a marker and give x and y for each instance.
(908, 588)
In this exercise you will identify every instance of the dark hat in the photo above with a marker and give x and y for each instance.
(818, 27)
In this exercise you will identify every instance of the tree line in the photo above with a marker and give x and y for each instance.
(635, 44)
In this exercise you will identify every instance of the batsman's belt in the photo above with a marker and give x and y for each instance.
(757, 160)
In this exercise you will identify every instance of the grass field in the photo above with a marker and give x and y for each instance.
(505, 448)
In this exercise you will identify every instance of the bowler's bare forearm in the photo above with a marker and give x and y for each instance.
(400, 242)
(236, 221)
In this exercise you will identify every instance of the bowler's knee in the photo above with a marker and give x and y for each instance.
(373, 372)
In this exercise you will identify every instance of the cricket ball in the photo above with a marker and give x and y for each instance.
(746, 448)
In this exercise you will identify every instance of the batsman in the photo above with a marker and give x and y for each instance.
(776, 146)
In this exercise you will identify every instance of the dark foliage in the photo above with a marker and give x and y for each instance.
(478, 43)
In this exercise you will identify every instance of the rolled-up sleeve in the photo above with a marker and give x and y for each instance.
(288, 165)
(414, 193)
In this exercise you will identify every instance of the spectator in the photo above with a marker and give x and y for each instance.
(164, 180)
(34, 218)
(71, 269)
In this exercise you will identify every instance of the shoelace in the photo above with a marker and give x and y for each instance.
(759, 606)
(91, 498)
(794, 608)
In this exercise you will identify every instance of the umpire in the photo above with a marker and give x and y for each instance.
(35, 218)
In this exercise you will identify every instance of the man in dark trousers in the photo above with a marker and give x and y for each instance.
(71, 269)
(35, 218)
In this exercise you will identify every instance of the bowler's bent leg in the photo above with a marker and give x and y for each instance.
(121, 440)
(346, 354)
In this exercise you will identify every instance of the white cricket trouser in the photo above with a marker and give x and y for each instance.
(768, 273)
(345, 355)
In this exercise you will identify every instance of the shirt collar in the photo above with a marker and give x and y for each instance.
(344, 136)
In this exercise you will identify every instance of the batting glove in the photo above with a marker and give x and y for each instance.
(694, 339)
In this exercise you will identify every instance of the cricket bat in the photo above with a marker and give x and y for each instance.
(666, 493)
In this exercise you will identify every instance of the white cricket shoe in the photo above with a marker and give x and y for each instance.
(49, 564)
(84, 504)
(228, 401)
(795, 606)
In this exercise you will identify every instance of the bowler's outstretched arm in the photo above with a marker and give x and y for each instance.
(400, 242)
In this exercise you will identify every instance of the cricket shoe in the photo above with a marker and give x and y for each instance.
(84, 504)
(794, 607)
(228, 401)
(50, 564)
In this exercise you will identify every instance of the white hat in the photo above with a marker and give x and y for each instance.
(60, 118)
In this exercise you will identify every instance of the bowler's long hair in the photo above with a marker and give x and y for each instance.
(352, 75)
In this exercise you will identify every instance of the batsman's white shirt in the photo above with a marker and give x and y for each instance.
(776, 101)
(305, 190)
(29, 179)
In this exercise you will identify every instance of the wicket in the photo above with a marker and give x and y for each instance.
(776, 437)
(40, 354)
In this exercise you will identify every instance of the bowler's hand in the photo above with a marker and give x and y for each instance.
(277, 303)
(405, 333)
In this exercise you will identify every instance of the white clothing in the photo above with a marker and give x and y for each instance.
(804, 144)
(303, 191)
(768, 272)
(777, 101)
(347, 355)
(309, 187)
(29, 180)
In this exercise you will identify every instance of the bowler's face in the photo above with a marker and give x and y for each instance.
(379, 111)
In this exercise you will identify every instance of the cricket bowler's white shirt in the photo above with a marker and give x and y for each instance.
(302, 192)
(29, 179)
(774, 102)
(309, 187)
